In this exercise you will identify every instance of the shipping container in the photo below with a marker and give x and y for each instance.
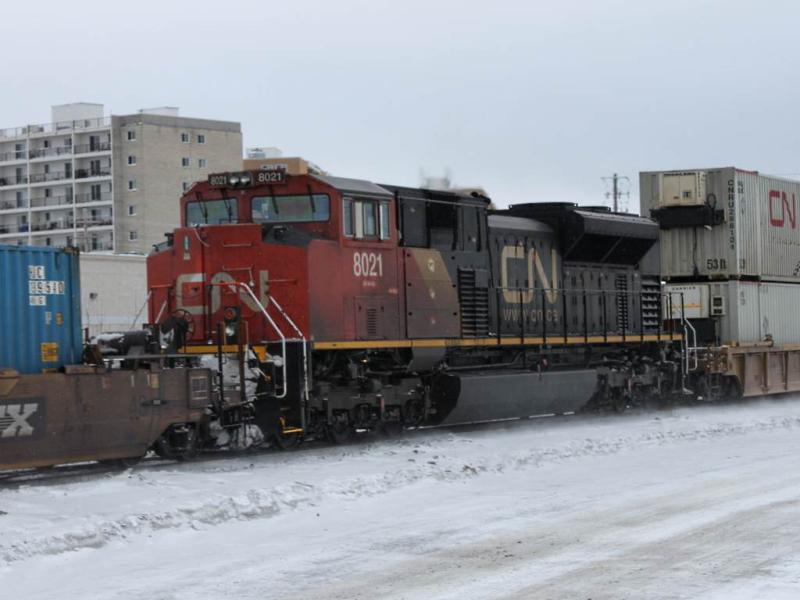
(724, 223)
(40, 311)
(738, 312)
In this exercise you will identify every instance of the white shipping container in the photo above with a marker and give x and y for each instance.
(724, 223)
(745, 312)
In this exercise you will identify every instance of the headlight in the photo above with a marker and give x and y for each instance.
(233, 180)
(245, 179)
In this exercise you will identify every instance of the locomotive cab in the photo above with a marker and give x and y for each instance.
(256, 251)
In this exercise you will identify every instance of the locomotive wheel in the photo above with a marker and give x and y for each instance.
(619, 403)
(393, 427)
(340, 431)
(414, 412)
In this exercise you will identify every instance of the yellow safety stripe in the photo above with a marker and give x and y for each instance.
(261, 351)
(483, 342)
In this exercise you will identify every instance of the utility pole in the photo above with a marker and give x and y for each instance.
(616, 192)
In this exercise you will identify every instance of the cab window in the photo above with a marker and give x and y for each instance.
(385, 223)
(211, 212)
(348, 217)
(366, 219)
(305, 208)
(370, 219)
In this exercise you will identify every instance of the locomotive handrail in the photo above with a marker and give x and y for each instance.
(305, 358)
(284, 387)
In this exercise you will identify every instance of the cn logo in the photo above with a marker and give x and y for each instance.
(782, 213)
(14, 420)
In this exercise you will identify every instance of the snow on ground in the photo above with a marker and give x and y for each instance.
(693, 503)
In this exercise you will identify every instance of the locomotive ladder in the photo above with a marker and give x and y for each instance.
(300, 337)
(689, 348)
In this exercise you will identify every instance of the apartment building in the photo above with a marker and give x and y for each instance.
(106, 183)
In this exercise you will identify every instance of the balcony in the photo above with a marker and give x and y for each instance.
(51, 201)
(86, 173)
(13, 180)
(55, 151)
(52, 176)
(13, 205)
(88, 148)
(51, 226)
(11, 228)
(62, 127)
(11, 156)
(59, 128)
(85, 198)
(95, 222)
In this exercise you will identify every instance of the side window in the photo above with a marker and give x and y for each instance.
(385, 221)
(347, 217)
(366, 219)
(370, 219)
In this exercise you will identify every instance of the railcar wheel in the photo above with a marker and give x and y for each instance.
(286, 441)
(122, 463)
(189, 450)
(178, 444)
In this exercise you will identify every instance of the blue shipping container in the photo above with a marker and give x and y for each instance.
(40, 308)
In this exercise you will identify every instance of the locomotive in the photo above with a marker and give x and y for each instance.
(329, 306)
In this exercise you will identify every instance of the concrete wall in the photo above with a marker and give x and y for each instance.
(113, 292)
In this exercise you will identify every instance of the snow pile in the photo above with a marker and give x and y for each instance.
(61, 518)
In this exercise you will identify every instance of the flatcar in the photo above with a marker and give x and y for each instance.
(335, 305)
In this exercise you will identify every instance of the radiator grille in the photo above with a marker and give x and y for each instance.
(474, 303)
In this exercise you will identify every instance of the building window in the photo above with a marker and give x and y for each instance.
(201, 162)
(185, 162)
(185, 185)
(201, 139)
(131, 160)
(131, 135)
(131, 184)
(132, 210)
(133, 235)
(185, 138)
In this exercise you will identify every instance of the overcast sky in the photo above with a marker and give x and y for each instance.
(535, 101)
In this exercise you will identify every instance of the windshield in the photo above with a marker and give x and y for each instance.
(295, 209)
(211, 212)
